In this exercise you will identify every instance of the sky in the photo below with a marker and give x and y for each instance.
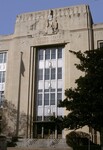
(9, 9)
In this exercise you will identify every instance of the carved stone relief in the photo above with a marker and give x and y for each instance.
(52, 24)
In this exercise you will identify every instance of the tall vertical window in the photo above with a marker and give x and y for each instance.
(59, 73)
(49, 81)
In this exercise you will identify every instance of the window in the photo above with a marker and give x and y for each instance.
(52, 73)
(101, 44)
(3, 57)
(39, 99)
(53, 53)
(59, 98)
(39, 118)
(59, 73)
(40, 54)
(47, 72)
(2, 76)
(40, 75)
(46, 99)
(60, 52)
(52, 99)
(47, 54)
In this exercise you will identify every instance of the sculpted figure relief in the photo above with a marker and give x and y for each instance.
(52, 24)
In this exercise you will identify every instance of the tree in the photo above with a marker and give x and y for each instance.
(85, 101)
(8, 121)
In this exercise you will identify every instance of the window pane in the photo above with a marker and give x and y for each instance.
(5, 57)
(53, 53)
(3, 76)
(59, 73)
(40, 90)
(40, 75)
(47, 74)
(59, 90)
(39, 118)
(39, 99)
(41, 54)
(46, 90)
(1, 57)
(101, 45)
(60, 52)
(52, 90)
(52, 73)
(46, 99)
(0, 76)
(59, 98)
(52, 99)
(47, 54)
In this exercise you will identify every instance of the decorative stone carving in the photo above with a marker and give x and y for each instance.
(52, 24)
(33, 26)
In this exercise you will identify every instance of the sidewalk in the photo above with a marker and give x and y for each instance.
(14, 148)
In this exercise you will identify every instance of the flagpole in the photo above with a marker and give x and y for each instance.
(18, 102)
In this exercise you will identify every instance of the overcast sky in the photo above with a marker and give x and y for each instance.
(9, 9)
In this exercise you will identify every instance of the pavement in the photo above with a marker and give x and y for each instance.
(14, 148)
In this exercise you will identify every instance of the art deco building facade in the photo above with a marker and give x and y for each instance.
(36, 66)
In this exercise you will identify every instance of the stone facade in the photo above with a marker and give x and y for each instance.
(71, 27)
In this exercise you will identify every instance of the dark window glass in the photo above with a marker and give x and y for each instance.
(59, 73)
(39, 118)
(101, 45)
(52, 99)
(46, 99)
(39, 99)
(59, 98)
(40, 75)
(46, 118)
(5, 57)
(2, 76)
(52, 90)
(60, 52)
(52, 73)
(41, 54)
(47, 71)
(1, 57)
(47, 54)
(53, 53)
(40, 90)
(59, 90)
(46, 90)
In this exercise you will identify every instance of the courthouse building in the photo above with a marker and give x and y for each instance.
(36, 66)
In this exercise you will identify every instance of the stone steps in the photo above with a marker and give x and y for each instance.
(42, 144)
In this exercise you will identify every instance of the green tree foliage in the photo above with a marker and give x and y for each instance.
(85, 102)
